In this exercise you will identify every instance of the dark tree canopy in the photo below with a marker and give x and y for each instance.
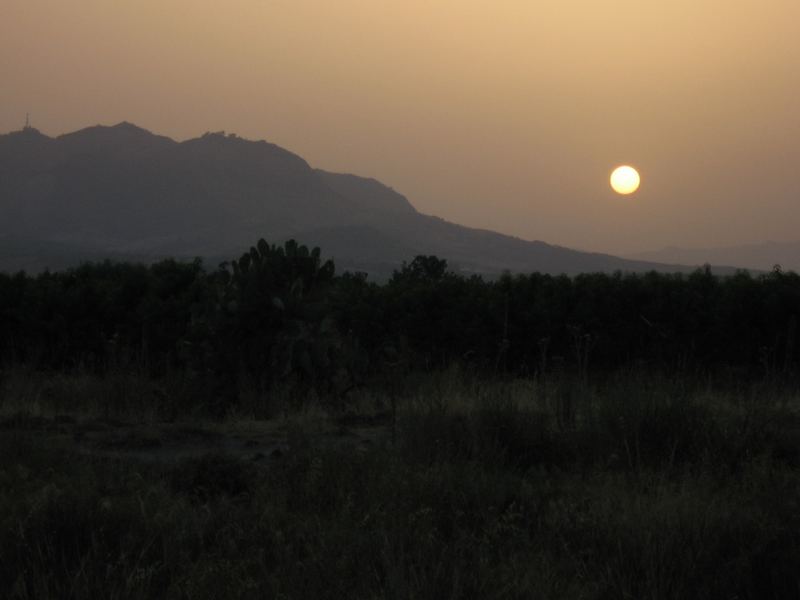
(279, 314)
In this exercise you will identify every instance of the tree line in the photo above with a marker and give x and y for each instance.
(279, 314)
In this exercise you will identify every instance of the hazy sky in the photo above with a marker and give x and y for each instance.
(501, 114)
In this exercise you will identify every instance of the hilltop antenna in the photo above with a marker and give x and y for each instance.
(27, 120)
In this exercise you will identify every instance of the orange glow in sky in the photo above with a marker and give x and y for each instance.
(502, 114)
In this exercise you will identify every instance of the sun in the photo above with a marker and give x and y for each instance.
(625, 180)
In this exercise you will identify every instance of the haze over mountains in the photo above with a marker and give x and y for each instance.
(761, 257)
(123, 192)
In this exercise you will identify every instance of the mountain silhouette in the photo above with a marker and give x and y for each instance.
(123, 192)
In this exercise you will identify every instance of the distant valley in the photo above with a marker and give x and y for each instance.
(758, 257)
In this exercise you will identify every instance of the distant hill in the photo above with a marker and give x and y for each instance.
(760, 257)
(124, 192)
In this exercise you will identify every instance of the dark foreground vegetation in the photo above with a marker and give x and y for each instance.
(621, 436)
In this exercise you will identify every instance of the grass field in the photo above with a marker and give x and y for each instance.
(635, 487)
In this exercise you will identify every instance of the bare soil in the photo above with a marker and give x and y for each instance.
(163, 442)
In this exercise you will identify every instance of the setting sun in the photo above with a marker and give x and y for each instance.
(625, 180)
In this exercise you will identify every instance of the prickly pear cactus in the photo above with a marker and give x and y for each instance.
(271, 320)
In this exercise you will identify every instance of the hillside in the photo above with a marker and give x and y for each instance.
(122, 192)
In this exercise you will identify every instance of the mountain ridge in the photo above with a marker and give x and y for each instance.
(122, 190)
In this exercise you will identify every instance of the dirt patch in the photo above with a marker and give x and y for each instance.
(257, 441)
